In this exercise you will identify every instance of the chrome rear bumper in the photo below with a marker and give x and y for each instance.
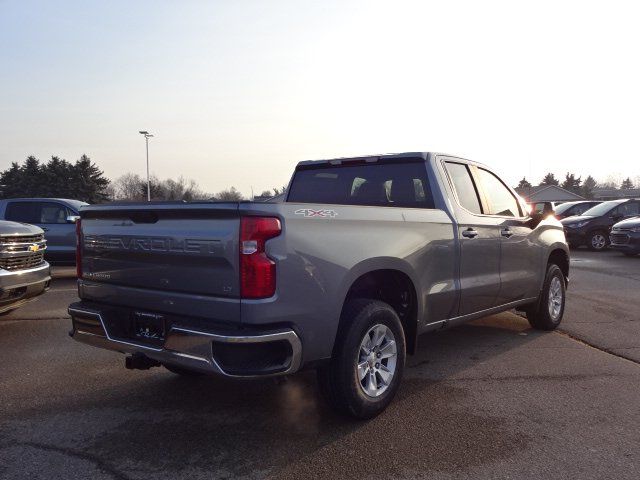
(182, 347)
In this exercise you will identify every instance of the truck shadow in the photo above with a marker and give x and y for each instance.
(161, 423)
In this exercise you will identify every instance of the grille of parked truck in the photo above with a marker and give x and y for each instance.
(24, 274)
(361, 257)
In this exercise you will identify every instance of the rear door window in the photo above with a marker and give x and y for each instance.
(393, 184)
(465, 188)
(24, 212)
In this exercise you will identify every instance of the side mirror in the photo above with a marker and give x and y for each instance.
(541, 211)
(73, 218)
(544, 208)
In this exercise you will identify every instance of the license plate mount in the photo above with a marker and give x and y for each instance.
(149, 327)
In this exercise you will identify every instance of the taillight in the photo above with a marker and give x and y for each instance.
(79, 248)
(257, 270)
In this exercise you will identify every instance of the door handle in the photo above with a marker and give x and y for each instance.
(470, 233)
(506, 232)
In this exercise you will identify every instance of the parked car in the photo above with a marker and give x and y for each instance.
(625, 236)
(24, 273)
(363, 256)
(593, 226)
(56, 216)
(569, 209)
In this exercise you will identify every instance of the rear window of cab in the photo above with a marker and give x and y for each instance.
(396, 184)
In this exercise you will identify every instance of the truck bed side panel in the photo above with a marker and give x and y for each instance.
(319, 258)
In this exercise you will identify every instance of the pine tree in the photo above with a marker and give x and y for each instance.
(11, 181)
(88, 182)
(524, 184)
(549, 179)
(58, 178)
(572, 183)
(627, 184)
(588, 186)
(33, 181)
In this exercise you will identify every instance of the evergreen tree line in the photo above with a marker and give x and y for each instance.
(81, 180)
(576, 185)
(84, 181)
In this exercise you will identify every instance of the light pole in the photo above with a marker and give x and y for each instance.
(147, 135)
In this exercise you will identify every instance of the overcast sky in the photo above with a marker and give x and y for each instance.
(237, 92)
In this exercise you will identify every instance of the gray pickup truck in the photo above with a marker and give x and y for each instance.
(24, 274)
(361, 257)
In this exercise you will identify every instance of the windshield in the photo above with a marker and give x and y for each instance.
(601, 209)
(564, 207)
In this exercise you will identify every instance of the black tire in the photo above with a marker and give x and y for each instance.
(540, 314)
(339, 381)
(594, 242)
(183, 372)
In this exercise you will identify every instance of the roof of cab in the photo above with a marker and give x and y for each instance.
(387, 157)
(367, 158)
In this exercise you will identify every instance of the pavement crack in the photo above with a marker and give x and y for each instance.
(597, 347)
(101, 464)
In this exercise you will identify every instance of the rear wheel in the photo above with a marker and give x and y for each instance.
(597, 240)
(368, 361)
(547, 312)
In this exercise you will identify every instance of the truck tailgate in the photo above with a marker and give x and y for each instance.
(190, 248)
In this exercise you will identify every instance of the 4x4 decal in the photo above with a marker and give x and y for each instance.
(322, 213)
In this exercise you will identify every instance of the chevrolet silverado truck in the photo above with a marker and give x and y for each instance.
(342, 275)
(24, 274)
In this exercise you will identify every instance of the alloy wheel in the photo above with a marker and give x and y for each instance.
(598, 241)
(555, 298)
(376, 364)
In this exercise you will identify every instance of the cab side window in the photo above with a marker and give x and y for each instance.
(51, 213)
(501, 200)
(465, 188)
(23, 212)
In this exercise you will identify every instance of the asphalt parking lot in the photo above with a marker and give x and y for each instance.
(492, 399)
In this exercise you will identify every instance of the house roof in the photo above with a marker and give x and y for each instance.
(616, 193)
(549, 193)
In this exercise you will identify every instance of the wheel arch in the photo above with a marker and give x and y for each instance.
(559, 255)
(391, 281)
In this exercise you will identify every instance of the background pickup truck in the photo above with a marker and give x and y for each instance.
(24, 274)
(56, 216)
(362, 256)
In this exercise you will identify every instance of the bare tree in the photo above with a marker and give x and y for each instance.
(132, 187)
(231, 195)
(129, 187)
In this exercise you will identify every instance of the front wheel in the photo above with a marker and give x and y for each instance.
(546, 314)
(597, 241)
(368, 361)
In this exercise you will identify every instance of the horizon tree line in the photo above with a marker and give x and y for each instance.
(83, 180)
(576, 185)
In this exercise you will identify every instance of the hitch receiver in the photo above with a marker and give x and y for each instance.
(139, 361)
